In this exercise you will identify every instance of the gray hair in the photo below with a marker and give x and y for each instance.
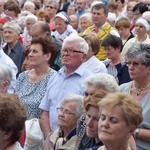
(13, 25)
(32, 17)
(88, 15)
(102, 80)
(5, 73)
(78, 100)
(28, 3)
(141, 52)
(84, 47)
(53, 2)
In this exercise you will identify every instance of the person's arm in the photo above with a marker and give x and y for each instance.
(143, 134)
(44, 123)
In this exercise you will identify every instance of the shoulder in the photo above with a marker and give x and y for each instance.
(125, 87)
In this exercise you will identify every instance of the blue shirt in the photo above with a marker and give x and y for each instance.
(61, 86)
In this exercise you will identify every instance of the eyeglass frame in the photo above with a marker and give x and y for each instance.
(135, 64)
(51, 7)
(70, 51)
(64, 111)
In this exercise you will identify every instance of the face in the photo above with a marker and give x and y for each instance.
(111, 52)
(136, 15)
(81, 4)
(29, 23)
(51, 9)
(30, 9)
(112, 127)
(1, 6)
(74, 22)
(71, 11)
(123, 32)
(66, 115)
(137, 70)
(60, 25)
(140, 29)
(11, 13)
(85, 23)
(92, 117)
(98, 17)
(71, 56)
(36, 56)
(10, 36)
(130, 13)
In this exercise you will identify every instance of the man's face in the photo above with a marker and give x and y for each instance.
(71, 56)
(81, 4)
(98, 17)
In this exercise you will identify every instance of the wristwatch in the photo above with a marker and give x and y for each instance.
(136, 132)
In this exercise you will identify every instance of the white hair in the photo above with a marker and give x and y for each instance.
(87, 15)
(32, 17)
(103, 81)
(78, 100)
(84, 47)
(28, 3)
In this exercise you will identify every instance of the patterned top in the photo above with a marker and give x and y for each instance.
(31, 94)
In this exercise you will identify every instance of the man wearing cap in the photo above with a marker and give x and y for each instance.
(63, 29)
(69, 79)
(141, 28)
(14, 49)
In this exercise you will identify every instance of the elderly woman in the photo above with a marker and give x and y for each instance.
(138, 61)
(115, 63)
(141, 28)
(31, 85)
(14, 49)
(120, 115)
(12, 9)
(96, 83)
(29, 6)
(5, 78)
(69, 112)
(92, 63)
(63, 29)
(11, 129)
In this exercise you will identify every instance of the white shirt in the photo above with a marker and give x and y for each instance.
(4, 59)
(95, 65)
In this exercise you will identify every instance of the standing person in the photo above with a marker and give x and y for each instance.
(5, 60)
(39, 29)
(31, 85)
(101, 27)
(14, 49)
(115, 63)
(138, 61)
(120, 114)
(69, 79)
(12, 121)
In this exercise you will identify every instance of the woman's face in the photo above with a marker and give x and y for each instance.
(112, 127)
(123, 32)
(67, 116)
(140, 29)
(84, 23)
(36, 57)
(137, 70)
(60, 25)
(51, 9)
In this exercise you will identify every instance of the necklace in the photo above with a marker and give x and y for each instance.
(138, 91)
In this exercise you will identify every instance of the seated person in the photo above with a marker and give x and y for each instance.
(69, 112)
(12, 119)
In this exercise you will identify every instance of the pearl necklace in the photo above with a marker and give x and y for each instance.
(138, 91)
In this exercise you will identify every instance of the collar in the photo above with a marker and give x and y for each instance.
(14, 49)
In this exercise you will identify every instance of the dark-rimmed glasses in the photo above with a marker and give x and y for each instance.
(135, 64)
(70, 51)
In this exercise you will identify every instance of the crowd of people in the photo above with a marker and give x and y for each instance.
(74, 74)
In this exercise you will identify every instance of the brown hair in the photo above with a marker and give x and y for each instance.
(12, 116)
(122, 22)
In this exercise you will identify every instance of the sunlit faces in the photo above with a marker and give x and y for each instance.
(84, 23)
(112, 127)
(67, 120)
(74, 59)
(36, 56)
(60, 25)
(92, 117)
(10, 35)
(98, 17)
(137, 70)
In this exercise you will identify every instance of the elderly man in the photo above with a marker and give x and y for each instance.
(5, 60)
(69, 79)
(14, 49)
(41, 28)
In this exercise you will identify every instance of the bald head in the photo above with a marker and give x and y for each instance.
(40, 28)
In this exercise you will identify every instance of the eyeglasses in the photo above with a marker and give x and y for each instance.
(135, 64)
(9, 9)
(51, 7)
(70, 51)
(64, 111)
